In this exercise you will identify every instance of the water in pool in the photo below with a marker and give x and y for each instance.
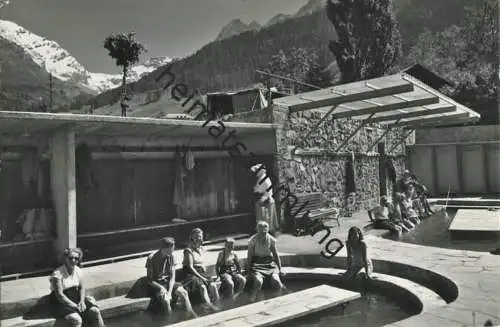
(433, 231)
(372, 310)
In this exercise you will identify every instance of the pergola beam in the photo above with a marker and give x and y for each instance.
(346, 98)
(455, 121)
(413, 114)
(387, 107)
(416, 122)
(427, 88)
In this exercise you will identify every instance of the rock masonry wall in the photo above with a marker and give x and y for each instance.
(320, 168)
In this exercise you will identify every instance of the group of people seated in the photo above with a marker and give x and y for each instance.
(408, 207)
(194, 283)
(166, 287)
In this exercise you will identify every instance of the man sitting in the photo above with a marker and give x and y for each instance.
(161, 279)
(381, 215)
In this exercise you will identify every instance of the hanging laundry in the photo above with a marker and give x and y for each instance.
(83, 163)
(189, 159)
(29, 165)
(391, 170)
(178, 184)
(350, 175)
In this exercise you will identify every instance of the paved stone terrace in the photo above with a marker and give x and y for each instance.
(475, 273)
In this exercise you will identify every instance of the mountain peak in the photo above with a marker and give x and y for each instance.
(310, 7)
(235, 27)
(53, 58)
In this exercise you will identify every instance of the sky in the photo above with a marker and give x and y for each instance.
(173, 28)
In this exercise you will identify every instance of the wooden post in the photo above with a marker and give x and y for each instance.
(461, 186)
(486, 168)
(435, 171)
(50, 92)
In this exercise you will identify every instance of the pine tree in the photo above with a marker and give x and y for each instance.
(368, 41)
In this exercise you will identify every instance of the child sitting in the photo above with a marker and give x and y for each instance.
(229, 270)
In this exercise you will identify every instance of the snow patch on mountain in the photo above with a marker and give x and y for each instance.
(54, 59)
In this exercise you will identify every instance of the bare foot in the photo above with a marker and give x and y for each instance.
(214, 308)
(191, 314)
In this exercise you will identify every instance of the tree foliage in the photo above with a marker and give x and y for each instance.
(466, 55)
(299, 64)
(124, 48)
(368, 41)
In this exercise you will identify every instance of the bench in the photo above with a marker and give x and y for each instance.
(310, 207)
(110, 308)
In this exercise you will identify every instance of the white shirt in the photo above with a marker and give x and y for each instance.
(67, 280)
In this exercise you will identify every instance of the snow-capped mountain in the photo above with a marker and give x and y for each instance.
(52, 57)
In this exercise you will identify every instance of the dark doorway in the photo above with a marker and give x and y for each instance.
(382, 176)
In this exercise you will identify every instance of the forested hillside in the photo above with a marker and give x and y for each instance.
(231, 63)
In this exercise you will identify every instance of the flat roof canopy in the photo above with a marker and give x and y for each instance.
(114, 134)
(14, 123)
(395, 100)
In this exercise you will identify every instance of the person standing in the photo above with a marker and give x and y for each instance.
(265, 207)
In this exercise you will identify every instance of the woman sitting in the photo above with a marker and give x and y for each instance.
(229, 270)
(399, 212)
(381, 217)
(193, 276)
(408, 206)
(68, 298)
(357, 255)
(264, 264)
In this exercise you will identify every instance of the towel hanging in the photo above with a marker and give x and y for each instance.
(350, 175)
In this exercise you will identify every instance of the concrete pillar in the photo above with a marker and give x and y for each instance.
(63, 183)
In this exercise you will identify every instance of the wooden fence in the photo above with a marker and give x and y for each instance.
(463, 168)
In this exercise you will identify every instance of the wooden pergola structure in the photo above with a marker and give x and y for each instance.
(398, 100)
(56, 135)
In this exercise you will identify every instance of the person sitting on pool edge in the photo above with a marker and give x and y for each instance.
(400, 212)
(161, 279)
(194, 276)
(229, 270)
(263, 261)
(357, 255)
(381, 218)
(67, 295)
(420, 192)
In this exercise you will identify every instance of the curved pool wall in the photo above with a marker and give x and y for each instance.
(443, 286)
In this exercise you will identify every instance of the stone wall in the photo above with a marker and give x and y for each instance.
(479, 133)
(319, 167)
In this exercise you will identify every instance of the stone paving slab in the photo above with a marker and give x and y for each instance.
(276, 310)
(473, 220)
(478, 288)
